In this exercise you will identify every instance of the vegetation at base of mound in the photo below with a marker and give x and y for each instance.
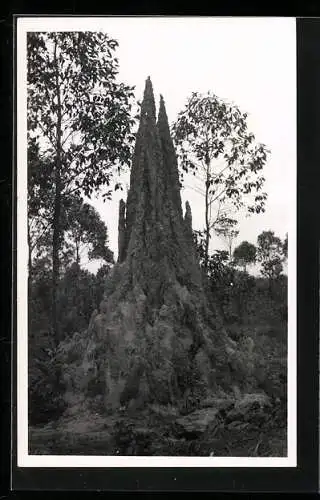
(238, 429)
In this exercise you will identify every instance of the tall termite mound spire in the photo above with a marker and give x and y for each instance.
(154, 325)
(146, 164)
(154, 242)
(170, 163)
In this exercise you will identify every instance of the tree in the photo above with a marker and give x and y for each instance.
(214, 144)
(270, 254)
(79, 117)
(226, 230)
(40, 200)
(245, 254)
(215, 260)
(87, 231)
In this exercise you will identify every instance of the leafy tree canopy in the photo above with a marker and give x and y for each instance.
(227, 230)
(86, 231)
(213, 139)
(214, 144)
(270, 254)
(76, 106)
(245, 254)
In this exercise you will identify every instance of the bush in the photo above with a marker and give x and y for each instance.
(46, 389)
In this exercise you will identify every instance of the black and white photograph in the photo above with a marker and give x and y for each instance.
(156, 242)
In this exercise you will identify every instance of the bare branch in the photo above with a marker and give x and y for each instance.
(197, 190)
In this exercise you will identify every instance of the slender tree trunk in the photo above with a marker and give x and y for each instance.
(77, 253)
(56, 217)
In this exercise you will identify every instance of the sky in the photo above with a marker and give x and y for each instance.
(248, 61)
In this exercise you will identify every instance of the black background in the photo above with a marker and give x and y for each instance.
(304, 478)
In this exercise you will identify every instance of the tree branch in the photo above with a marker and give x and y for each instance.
(66, 138)
(70, 180)
(215, 176)
(48, 135)
(32, 247)
(218, 196)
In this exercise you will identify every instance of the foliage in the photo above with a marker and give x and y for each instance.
(46, 389)
(77, 299)
(79, 121)
(270, 254)
(40, 201)
(218, 270)
(73, 95)
(214, 144)
(240, 297)
(86, 230)
(227, 230)
(82, 230)
(245, 254)
(228, 288)
(209, 129)
(285, 248)
(80, 293)
(216, 262)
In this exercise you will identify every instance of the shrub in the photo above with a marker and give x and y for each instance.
(46, 389)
